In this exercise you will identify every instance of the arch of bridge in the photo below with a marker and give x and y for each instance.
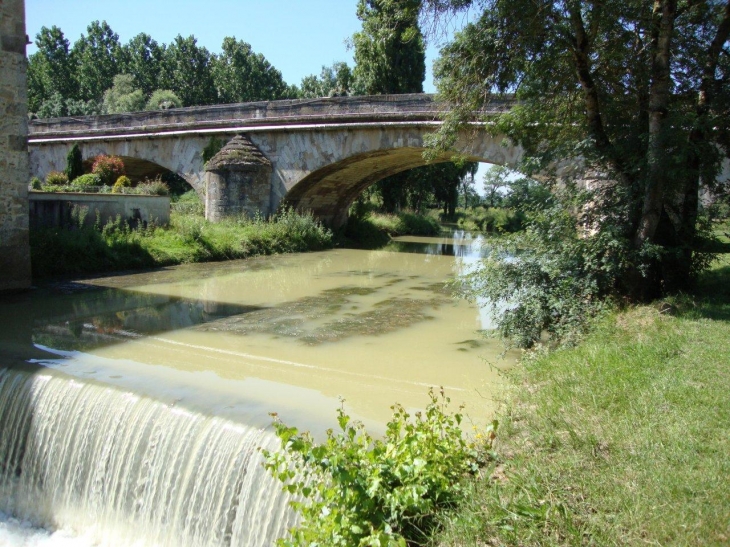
(324, 172)
(176, 154)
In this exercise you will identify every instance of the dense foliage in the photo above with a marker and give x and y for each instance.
(98, 74)
(637, 92)
(356, 490)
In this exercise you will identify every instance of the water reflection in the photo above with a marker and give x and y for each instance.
(457, 243)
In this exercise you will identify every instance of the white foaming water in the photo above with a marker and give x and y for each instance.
(15, 533)
(89, 464)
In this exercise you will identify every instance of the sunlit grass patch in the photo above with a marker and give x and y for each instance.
(619, 441)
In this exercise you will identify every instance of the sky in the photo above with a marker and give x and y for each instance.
(297, 37)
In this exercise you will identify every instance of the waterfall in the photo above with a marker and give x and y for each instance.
(131, 470)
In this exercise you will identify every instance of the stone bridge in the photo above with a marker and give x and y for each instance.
(318, 154)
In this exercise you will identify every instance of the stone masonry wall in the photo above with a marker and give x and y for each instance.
(14, 166)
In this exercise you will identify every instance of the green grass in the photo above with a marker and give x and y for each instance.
(405, 223)
(374, 230)
(189, 238)
(622, 440)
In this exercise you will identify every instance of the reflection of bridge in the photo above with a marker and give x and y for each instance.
(323, 152)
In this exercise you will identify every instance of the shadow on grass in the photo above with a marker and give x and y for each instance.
(711, 298)
(60, 251)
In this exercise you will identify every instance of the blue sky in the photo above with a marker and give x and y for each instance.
(296, 36)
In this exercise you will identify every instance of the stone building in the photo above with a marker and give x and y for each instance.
(14, 166)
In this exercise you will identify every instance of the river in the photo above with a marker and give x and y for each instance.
(132, 407)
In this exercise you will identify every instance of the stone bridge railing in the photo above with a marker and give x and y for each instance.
(266, 115)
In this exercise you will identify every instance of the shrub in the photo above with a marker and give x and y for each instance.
(36, 184)
(122, 182)
(87, 181)
(162, 99)
(74, 163)
(415, 224)
(56, 178)
(153, 188)
(109, 168)
(356, 490)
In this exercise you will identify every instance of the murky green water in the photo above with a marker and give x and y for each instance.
(288, 334)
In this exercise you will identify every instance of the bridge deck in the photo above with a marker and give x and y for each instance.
(338, 111)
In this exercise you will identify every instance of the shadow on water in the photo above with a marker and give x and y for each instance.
(88, 317)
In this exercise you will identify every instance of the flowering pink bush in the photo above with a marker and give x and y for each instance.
(109, 168)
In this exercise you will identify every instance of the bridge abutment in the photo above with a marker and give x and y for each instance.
(14, 166)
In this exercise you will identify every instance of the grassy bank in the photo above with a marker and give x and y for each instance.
(375, 229)
(620, 441)
(189, 238)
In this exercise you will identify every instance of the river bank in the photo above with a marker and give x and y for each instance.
(189, 238)
(619, 441)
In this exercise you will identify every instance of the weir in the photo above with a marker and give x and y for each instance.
(131, 470)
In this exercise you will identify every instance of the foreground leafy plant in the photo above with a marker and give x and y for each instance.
(356, 490)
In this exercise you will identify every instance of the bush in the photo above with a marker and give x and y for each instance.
(122, 182)
(406, 223)
(36, 184)
(162, 99)
(109, 168)
(356, 490)
(414, 224)
(553, 278)
(56, 178)
(492, 220)
(87, 181)
(153, 188)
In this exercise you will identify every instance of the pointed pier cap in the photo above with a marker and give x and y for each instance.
(239, 154)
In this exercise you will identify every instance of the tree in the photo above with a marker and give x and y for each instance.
(495, 180)
(240, 75)
(122, 96)
(98, 59)
(332, 81)
(74, 163)
(638, 91)
(389, 51)
(187, 72)
(143, 60)
(50, 69)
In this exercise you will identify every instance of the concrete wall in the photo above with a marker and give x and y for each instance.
(14, 168)
(55, 209)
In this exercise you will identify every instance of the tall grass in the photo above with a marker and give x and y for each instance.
(189, 238)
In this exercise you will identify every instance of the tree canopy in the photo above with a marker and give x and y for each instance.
(389, 50)
(65, 80)
(636, 90)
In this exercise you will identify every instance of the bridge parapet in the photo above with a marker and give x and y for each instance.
(265, 115)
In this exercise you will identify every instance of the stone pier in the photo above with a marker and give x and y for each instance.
(14, 163)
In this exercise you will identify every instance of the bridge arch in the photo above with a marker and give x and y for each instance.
(182, 157)
(328, 190)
